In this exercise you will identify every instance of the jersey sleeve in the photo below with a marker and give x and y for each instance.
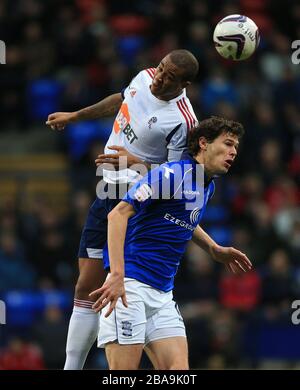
(177, 142)
(157, 184)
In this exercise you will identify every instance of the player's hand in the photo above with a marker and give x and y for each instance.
(234, 260)
(113, 158)
(110, 292)
(58, 120)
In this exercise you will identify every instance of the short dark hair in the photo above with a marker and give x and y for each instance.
(211, 129)
(187, 61)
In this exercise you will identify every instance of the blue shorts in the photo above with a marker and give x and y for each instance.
(94, 234)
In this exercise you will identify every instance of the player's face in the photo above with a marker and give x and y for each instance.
(221, 153)
(167, 82)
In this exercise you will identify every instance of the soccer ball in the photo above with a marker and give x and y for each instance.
(236, 37)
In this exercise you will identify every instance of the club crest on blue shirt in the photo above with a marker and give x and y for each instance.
(151, 121)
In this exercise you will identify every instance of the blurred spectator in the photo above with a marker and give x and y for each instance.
(21, 355)
(263, 235)
(270, 160)
(50, 333)
(202, 278)
(217, 89)
(279, 285)
(15, 272)
(224, 340)
(53, 258)
(240, 292)
(198, 301)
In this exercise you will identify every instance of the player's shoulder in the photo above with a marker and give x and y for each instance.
(176, 167)
(145, 76)
(148, 72)
(186, 112)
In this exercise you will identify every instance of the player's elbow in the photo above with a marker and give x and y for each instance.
(122, 211)
(113, 215)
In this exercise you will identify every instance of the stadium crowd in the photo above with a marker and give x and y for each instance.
(64, 55)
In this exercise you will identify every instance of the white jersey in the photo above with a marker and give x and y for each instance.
(151, 129)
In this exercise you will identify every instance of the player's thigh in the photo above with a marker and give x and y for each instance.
(123, 357)
(166, 343)
(91, 272)
(91, 277)
(169, 353)
(94, 233)
(93, 240)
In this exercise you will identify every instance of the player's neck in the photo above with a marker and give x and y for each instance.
(167, 97)
(201, 160)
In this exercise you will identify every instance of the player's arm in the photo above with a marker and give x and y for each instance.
(105, 108)
(113, 288)
(132, 162)
(234, 260)
(176, 143)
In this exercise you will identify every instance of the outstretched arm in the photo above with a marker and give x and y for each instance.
(113, 288)
(234, 260)
(105, 108)
(123, 159)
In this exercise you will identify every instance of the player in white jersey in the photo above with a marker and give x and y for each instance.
(153, 118)
(150, 128)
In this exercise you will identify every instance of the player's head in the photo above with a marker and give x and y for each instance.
(175, 71)
(214, 143)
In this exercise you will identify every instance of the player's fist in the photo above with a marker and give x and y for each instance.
(58, 120)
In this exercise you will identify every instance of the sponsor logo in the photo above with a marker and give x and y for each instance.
(194, 216)
(122, 119)
(130, 134)
(132, 91)
(178, 222)
(190, 192)
(122, 123)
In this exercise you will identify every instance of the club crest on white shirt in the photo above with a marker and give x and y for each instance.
(151, 121)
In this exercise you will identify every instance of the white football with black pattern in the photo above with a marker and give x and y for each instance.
(236, 37)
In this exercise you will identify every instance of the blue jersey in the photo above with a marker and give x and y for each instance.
(169, 203)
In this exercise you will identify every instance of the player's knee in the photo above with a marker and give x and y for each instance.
(177, 364)
(123, 366)
(115, 362)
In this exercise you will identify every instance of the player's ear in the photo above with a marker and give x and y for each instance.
(202, 143)
(185, 84)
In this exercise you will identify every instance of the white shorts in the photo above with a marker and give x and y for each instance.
(151, 315)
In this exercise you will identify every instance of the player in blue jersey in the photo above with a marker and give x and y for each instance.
(153, 118)
(147, 235)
